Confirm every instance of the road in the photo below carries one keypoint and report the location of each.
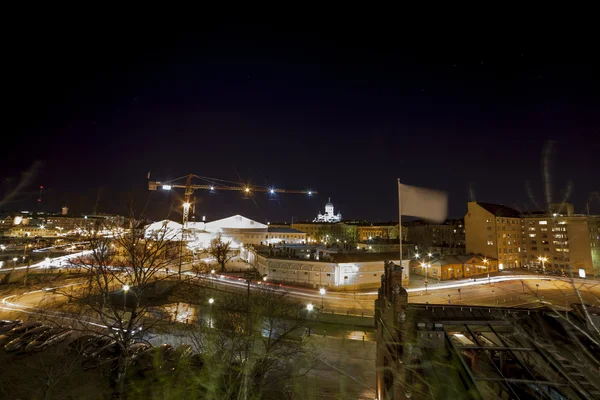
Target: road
(528, 291)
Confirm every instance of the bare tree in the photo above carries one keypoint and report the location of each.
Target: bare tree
(125, 269)
(252, 347)
(221, 251)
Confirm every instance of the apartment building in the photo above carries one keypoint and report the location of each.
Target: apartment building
(557, 239)
(494, 231)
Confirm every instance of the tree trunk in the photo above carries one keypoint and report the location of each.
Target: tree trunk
(118, 378)
(222, 266)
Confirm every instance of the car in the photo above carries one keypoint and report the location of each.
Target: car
(7, 325)
(17, 331)
(24, 339)
(48, 338)
(95, 346)
(80, 343)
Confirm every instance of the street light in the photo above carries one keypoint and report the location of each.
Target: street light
(211, 300)
(543, 260)
(125, 290)
(322, 291)
(309, 307)
(486, 262)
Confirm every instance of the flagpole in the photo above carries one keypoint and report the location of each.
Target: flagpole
(400, 220)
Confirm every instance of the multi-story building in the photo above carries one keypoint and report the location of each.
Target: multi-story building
(377, 231)
(494, 231)
(557, 239)
(443, 239)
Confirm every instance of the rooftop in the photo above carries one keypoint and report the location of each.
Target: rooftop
(499, 210)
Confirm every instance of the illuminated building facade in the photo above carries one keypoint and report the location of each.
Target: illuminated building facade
(553, 240)
(329, 215)
(237, 229)
(347, 271)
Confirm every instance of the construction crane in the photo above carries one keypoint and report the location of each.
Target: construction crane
(213, 185)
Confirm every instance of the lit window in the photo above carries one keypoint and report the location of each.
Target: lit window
(543, 222)
(532, 235)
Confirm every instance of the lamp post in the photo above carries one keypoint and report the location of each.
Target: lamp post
(212, 278)
(543, 261)
(125, 290)
(538, 289)
(322, 291)
(487, 267)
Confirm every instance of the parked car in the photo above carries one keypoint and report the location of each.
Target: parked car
(24, 339)
(97, 345)
(48, 338)
(7, 325)
(17, 331)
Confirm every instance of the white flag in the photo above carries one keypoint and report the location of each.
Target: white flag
(428, 204)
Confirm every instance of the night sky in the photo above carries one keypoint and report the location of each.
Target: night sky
(91, 112)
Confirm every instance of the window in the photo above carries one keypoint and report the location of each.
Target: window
(532, 235)
(328, 274)
(490, 243)
(544, 242)
(534, 248)
(488, 221)
(345, 277)
(533, 242)
(531, 229)
(374, 274)
(546, 249)
(274, 270)
(306, 273)
(489, 228)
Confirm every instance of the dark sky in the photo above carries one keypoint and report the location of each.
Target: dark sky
(344, 113)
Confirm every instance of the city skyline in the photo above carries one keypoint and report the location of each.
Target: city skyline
(298, 112)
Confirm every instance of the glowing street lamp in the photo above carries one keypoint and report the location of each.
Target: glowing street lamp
(264, 278)
(125, 290)
(186, 205)
(487, 266)
(322, 291)
(543, 260)
(309, 307)
(211, 300)
(247, 189)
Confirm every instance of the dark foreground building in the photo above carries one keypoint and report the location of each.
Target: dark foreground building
(461, 352)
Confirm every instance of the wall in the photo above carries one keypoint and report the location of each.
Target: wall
(342, 276)
(477, 234)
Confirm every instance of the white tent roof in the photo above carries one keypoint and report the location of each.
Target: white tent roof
(234, 222)
(171, 230)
